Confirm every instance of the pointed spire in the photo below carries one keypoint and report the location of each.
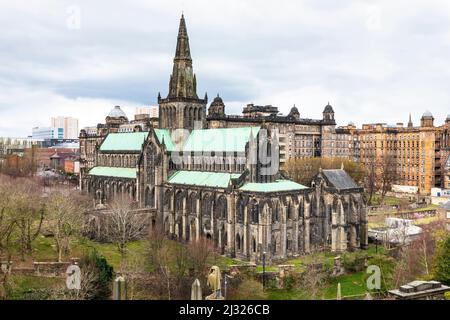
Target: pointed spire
(182, 51)
(410, 124)
(183, 83)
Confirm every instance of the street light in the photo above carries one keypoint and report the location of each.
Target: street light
(264, 270)
(376, 243)
(225, 282)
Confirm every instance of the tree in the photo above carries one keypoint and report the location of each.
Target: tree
(29, 212)
(96, 276)
(388, 172)
(7, 217)
(160, 257)
(371, 175)
(124, 224)
(303, 170)
(65, 216)
(200, 251)
(313, 279)
(441, 265)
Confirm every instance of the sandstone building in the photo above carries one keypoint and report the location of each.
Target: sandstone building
(414, 155)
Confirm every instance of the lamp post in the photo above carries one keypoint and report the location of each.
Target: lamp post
(225, 284)
(264, 270)
(376, 243)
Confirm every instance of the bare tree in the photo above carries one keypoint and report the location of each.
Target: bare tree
(304, 169)
(371, 175)
(65, 214)
(312, 278)
(124, 224)
(29, 212)
(7, 217)
(160, 257)
(200, 251)
(388, 172)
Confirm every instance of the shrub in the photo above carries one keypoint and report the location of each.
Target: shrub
(387, 266)
(441, 266)
(96, 276)
(447, 295)
(249, 289)
(354, 261)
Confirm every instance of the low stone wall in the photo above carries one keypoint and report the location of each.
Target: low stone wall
(50, 269)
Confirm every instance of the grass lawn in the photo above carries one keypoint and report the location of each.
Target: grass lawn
(351, 285)
(31, 287)
(388, 200)
(137, 253)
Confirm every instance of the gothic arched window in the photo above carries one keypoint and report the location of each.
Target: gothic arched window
(240, 210)
(254, 211)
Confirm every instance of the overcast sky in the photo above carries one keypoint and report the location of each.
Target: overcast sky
(374, 61)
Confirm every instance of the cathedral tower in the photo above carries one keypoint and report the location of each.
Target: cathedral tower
(182, 108)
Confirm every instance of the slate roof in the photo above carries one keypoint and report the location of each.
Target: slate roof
(219, 140)
(203, 178)
(124, 141)
(129, 173)
(276, 186)
(339, 179)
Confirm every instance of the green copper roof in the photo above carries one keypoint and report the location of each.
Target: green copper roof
(202, 178)
(277, 185)
(219, 140)
(164, 134)
(127, 141)
(113, 172)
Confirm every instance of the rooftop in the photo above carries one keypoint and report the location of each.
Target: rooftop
(124, 141)
(340, 179)
(219, 140)
(203, 178)
(116, 112)
(276, 186)
(163, 135)
(129, 173)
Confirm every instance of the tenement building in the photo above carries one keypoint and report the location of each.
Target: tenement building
(202, 174)
(414, 156)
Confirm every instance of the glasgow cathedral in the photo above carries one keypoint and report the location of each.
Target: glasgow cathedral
(206, 174)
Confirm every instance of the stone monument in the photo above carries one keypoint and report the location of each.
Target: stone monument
(214, 279)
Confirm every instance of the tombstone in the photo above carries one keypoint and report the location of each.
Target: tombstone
(73, 280)
(6, 266)
(196, 290)
(338, 294)
(119, 289)
(337, 266)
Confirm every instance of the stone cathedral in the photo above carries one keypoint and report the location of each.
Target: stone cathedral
(220, 183)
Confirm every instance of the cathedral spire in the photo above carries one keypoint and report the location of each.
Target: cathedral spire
(410, 124)
(183, 83)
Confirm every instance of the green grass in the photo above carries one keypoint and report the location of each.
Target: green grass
(23, 287)
(388, 200)
(351, 285)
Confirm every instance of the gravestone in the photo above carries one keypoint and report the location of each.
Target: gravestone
(338, 294)
(196, 290)
(119, 289)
